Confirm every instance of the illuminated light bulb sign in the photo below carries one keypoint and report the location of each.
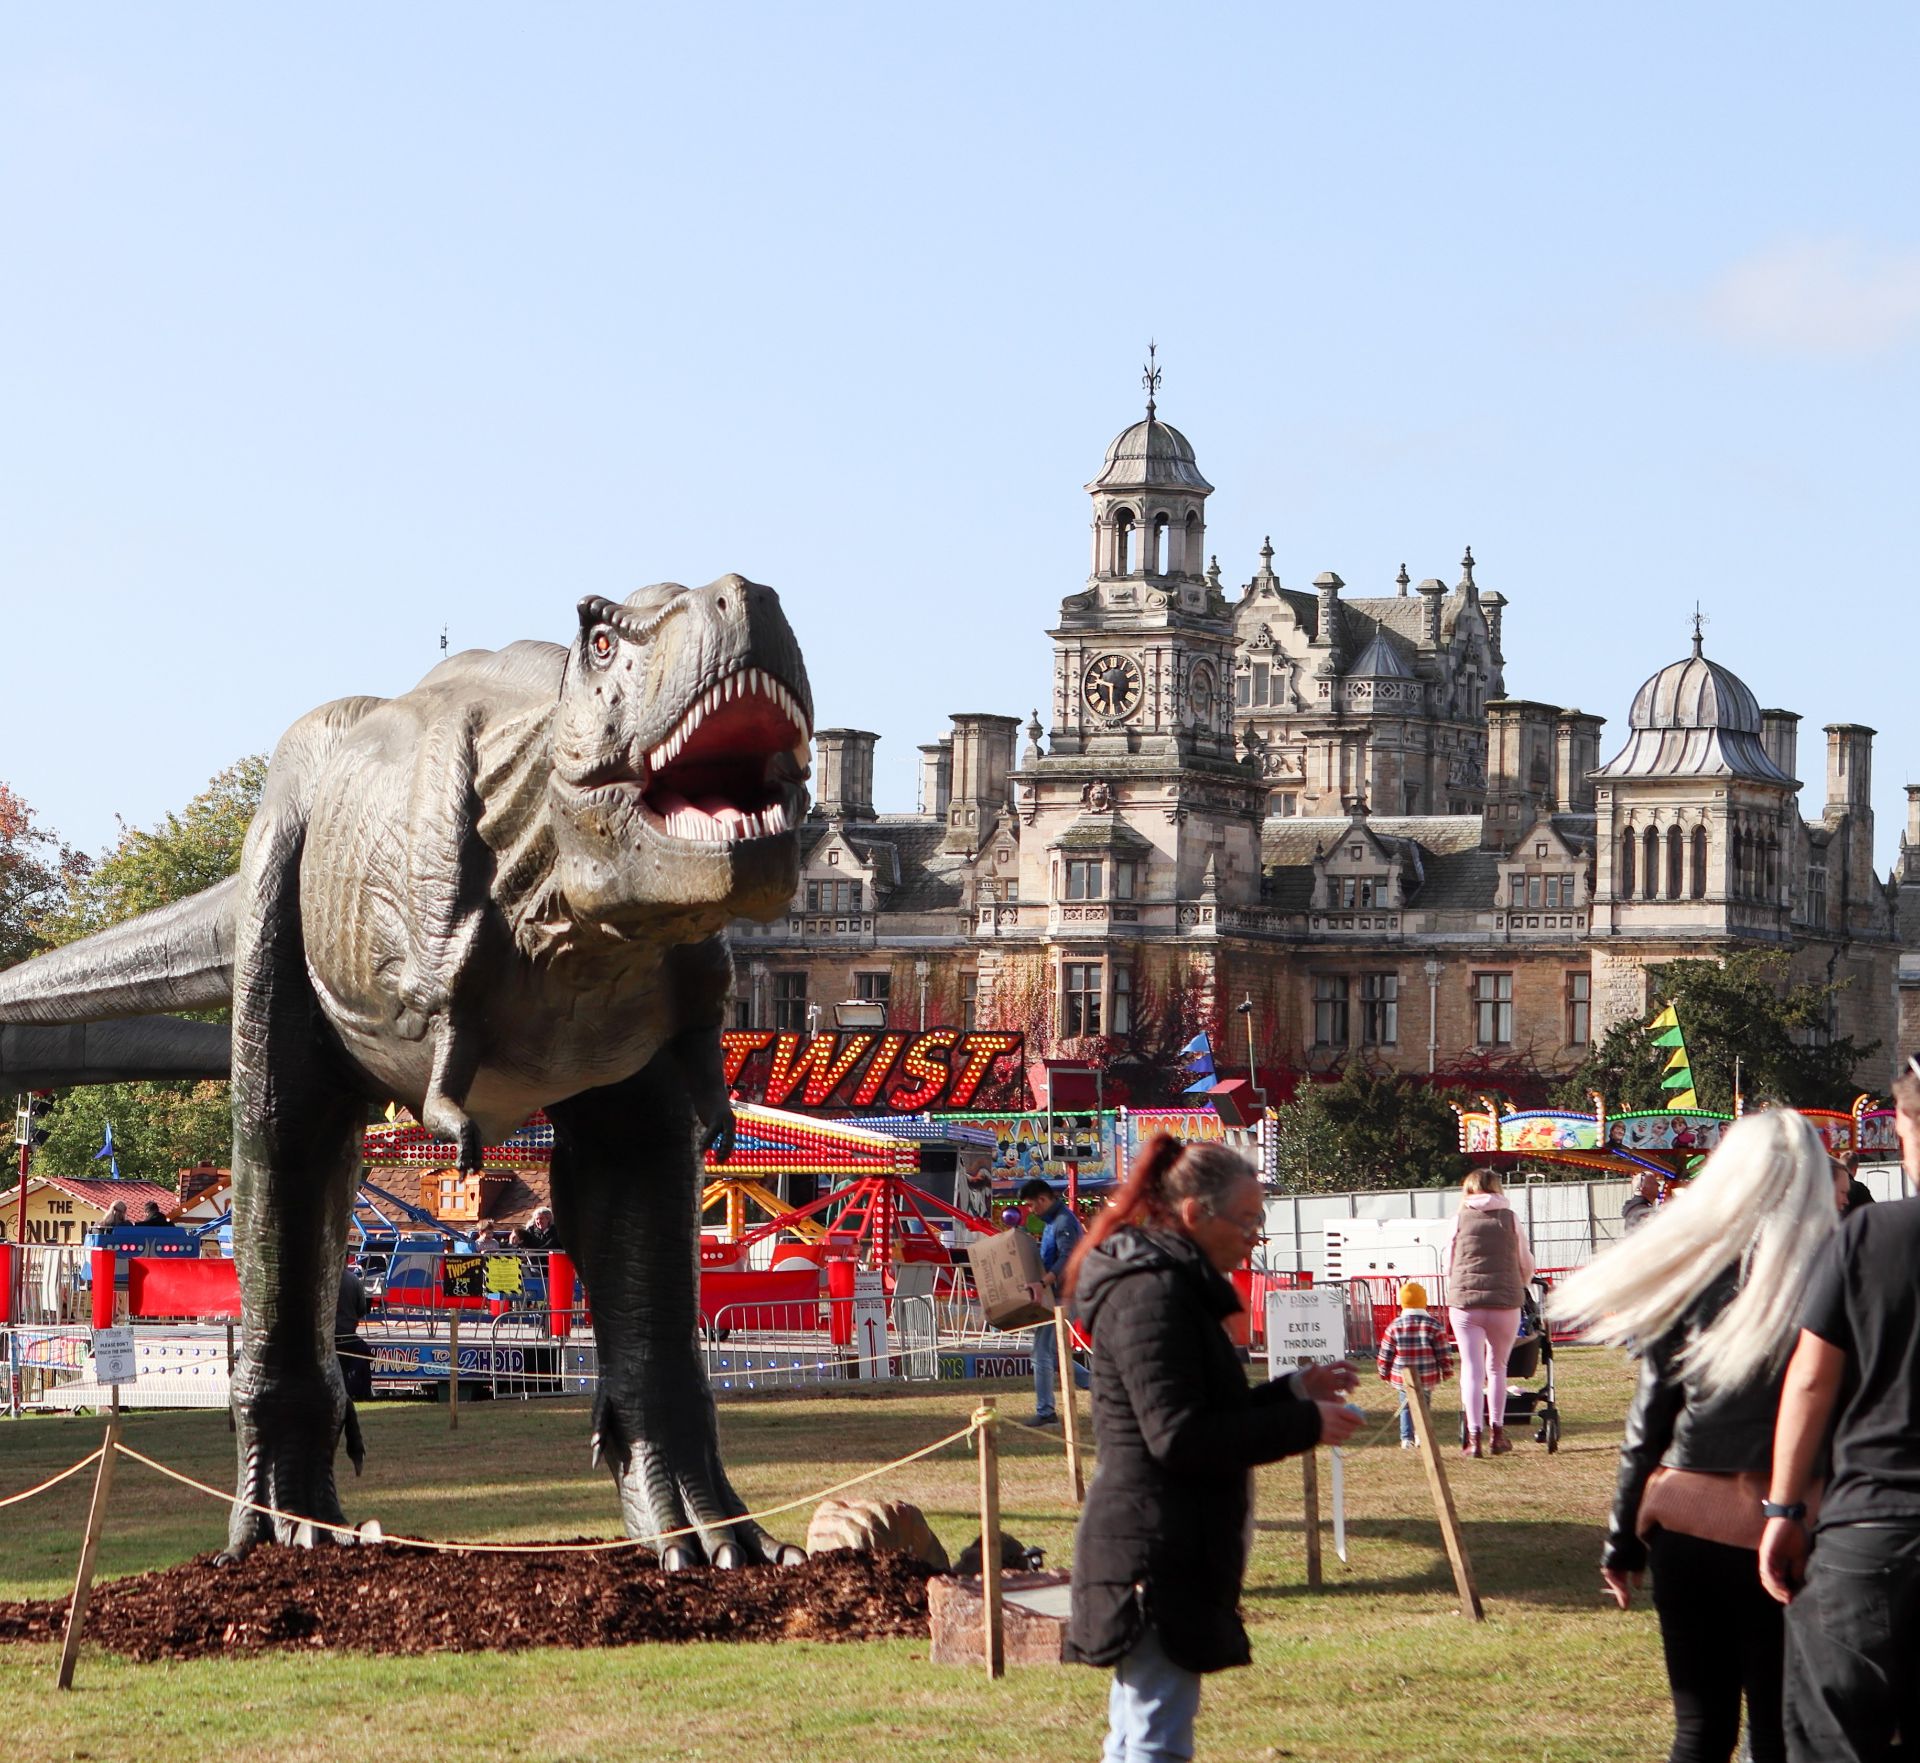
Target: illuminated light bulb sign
(898, 1073)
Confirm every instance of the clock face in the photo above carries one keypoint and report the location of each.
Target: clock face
(1200, 693)
(1112, 685)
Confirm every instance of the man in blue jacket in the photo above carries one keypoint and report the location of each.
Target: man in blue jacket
(1062, 1231)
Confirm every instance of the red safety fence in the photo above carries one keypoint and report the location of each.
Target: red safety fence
(1249, 1328)
(165, 1285)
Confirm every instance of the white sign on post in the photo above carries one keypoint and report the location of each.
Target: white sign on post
(1309, 1326)
(113, 1358)
(1306, 1326)
(870, 1358)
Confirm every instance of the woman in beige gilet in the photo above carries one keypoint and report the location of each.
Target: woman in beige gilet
(1488, 1263)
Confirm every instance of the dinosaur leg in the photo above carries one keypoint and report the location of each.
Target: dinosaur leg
(293, 1190)
(626, 1185)
(297, 1124)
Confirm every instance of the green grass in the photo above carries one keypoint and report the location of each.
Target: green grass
(1379, 1665)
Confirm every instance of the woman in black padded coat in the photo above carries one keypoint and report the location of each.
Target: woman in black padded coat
(1162, 1545)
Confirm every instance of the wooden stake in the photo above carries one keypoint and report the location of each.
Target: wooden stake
(1069, 1410)
(453, 1366)
(993, 1633)
(1443, 1503)
(1310, 1486)
(96, 1520)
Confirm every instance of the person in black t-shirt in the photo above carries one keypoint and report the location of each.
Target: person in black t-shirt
(1853, 1589)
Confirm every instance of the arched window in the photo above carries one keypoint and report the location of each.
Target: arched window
(1699, 862)
(1739, 863)
(1628, 845)
(1650, 864)
(1123, 541)
(1676, 863)
(1190, 545)
(1773, 867)
(1161, 540)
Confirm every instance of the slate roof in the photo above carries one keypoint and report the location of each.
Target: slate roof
(1447, 870)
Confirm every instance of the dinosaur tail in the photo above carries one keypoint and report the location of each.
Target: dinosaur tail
(179, 957)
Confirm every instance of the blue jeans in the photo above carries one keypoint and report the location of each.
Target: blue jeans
(1406, 1418)
(1046, 1371)
(1151, 1707)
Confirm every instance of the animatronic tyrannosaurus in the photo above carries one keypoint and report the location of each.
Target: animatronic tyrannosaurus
(503, 891)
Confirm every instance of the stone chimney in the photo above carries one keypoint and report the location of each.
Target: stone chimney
(1520, 752)
(982, 762)
(1432, 592)
(1326, 636)
(1576, 756)
(1493, 605)
(1849, 768)
(843, 773)
(1780, 736)
(936, 776)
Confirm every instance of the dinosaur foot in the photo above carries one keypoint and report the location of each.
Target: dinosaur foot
(296, 1487)
(686, 1507)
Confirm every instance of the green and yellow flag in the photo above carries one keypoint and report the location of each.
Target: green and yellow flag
(1665, 1029)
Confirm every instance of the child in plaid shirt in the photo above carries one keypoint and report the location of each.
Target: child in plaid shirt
(1414, 1346)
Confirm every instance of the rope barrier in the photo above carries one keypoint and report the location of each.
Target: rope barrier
(53, 1481)
(609, 1547)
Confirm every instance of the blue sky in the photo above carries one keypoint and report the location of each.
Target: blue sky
(325, 328)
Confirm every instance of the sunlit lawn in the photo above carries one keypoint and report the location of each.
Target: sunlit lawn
(1378, 1665)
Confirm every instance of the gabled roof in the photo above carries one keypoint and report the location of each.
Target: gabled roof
(1101, 832)
(100, 1192)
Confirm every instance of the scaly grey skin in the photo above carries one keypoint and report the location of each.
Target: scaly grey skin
(502, 891)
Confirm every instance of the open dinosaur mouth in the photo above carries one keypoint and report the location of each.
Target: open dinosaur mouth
(728, 770)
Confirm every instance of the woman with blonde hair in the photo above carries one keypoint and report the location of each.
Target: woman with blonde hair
(1487, 1262)
(1709, 1292)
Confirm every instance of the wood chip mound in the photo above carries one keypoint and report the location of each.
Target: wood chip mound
(391, 1599)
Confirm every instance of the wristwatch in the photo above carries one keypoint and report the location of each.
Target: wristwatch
(1794, 1509)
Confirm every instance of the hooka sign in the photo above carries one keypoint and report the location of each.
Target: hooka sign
(892, 1073)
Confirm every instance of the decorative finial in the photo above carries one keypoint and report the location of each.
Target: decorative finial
(1403, 578)
(1466, 568)
(443, 639)
(1699, 618)
(1150, 377)
(1266, 553)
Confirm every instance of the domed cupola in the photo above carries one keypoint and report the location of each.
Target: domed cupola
(1149, 501)
(1148, 456)
(1694, 718)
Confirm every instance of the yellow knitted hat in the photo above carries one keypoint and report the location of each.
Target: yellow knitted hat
(1413, 1296)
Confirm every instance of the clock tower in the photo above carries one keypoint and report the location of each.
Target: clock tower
(1140, 793)
(1143, 655)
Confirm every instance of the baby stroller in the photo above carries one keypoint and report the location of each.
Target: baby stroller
(1532, 1349)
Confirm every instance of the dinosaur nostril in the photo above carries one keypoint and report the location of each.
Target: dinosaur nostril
(720, 605)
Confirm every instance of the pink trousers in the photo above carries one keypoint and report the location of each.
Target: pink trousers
(1486, 1338)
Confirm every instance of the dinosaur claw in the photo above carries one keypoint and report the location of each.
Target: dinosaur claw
(729, 1555)
(789, 1555)
(677, 1557)
(593, 1450)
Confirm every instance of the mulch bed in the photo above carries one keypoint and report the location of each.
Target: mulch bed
(389, 1599)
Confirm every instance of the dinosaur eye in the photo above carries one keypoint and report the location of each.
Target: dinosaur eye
(601, 642)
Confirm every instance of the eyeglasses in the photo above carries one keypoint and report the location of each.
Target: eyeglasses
(1247, 1227)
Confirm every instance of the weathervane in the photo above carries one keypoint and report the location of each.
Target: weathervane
(1699, 618)
(1150, 377)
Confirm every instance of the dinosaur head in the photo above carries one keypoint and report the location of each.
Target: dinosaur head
(680, 756)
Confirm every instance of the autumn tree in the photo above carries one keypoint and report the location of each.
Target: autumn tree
(1370, 1129)
(1746, 1007)
(36, 872)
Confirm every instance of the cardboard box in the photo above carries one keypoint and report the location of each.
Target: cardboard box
(1003, 1268)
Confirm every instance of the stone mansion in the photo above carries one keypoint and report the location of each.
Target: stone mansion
(1327, 803)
